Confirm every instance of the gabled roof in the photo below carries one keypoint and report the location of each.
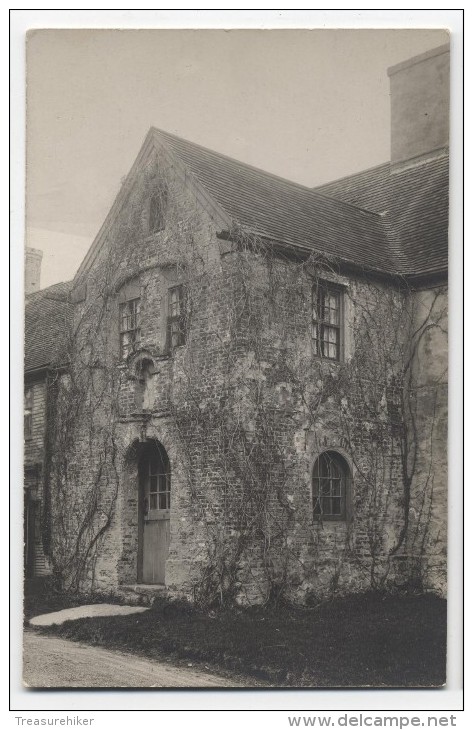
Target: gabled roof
(414, 199)
(47, 315)
(284, 211)
(391, 223)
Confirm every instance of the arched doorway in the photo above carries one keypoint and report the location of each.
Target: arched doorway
(154, 513)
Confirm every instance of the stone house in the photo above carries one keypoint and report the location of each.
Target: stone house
(254, 403)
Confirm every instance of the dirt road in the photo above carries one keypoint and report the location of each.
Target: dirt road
(52, 662)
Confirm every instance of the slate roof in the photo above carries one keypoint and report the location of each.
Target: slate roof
(285, 211)
(391, 221)
(414, 201)
(47, 314)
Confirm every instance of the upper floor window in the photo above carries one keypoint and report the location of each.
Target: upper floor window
(130, 333)
(330, 479)
(326, 321)
(176, 316)
(28, 411)
(157, 210)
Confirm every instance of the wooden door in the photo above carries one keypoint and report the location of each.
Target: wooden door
(156, 508)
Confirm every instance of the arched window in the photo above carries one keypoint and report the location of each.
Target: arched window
(330, 484)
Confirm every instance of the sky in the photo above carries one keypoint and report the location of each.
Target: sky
(309, 105)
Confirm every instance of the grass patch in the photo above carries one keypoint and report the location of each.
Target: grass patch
(363, 640)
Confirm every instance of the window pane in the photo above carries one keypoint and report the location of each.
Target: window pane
(153, 484)
(336, 506)
(332, 334)
(153, 501)
(163, 500)
(326, 506)
(325, 490)
(324, 464)
(162, 483)
(333, 317)
(330, 342)
(336, 488)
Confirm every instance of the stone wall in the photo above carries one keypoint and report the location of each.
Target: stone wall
(430, 385)
(243, 409)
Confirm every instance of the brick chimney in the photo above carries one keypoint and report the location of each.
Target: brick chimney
(33, 259)
(420, 96)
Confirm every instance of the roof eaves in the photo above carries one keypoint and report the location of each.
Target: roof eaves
(308, 248)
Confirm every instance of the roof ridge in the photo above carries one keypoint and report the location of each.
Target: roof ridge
(47, 290)
(348, 204)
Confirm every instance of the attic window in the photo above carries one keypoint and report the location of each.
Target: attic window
(157, 210)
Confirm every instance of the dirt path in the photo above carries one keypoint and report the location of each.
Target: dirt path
(53, 662)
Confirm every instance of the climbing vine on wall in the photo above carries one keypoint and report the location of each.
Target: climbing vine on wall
(235, 408)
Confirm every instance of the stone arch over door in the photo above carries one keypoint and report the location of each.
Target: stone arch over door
(154, 511)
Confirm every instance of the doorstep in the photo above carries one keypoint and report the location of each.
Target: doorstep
(144, 589)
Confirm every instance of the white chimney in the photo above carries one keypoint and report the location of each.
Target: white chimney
(33, 257)
(420, 96)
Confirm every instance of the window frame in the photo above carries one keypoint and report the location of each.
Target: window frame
(343, 467)
(178, 318)
(321, 325)
(135, 330)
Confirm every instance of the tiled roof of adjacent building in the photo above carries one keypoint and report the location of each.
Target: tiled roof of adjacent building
(414, 200)
(47, 314)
